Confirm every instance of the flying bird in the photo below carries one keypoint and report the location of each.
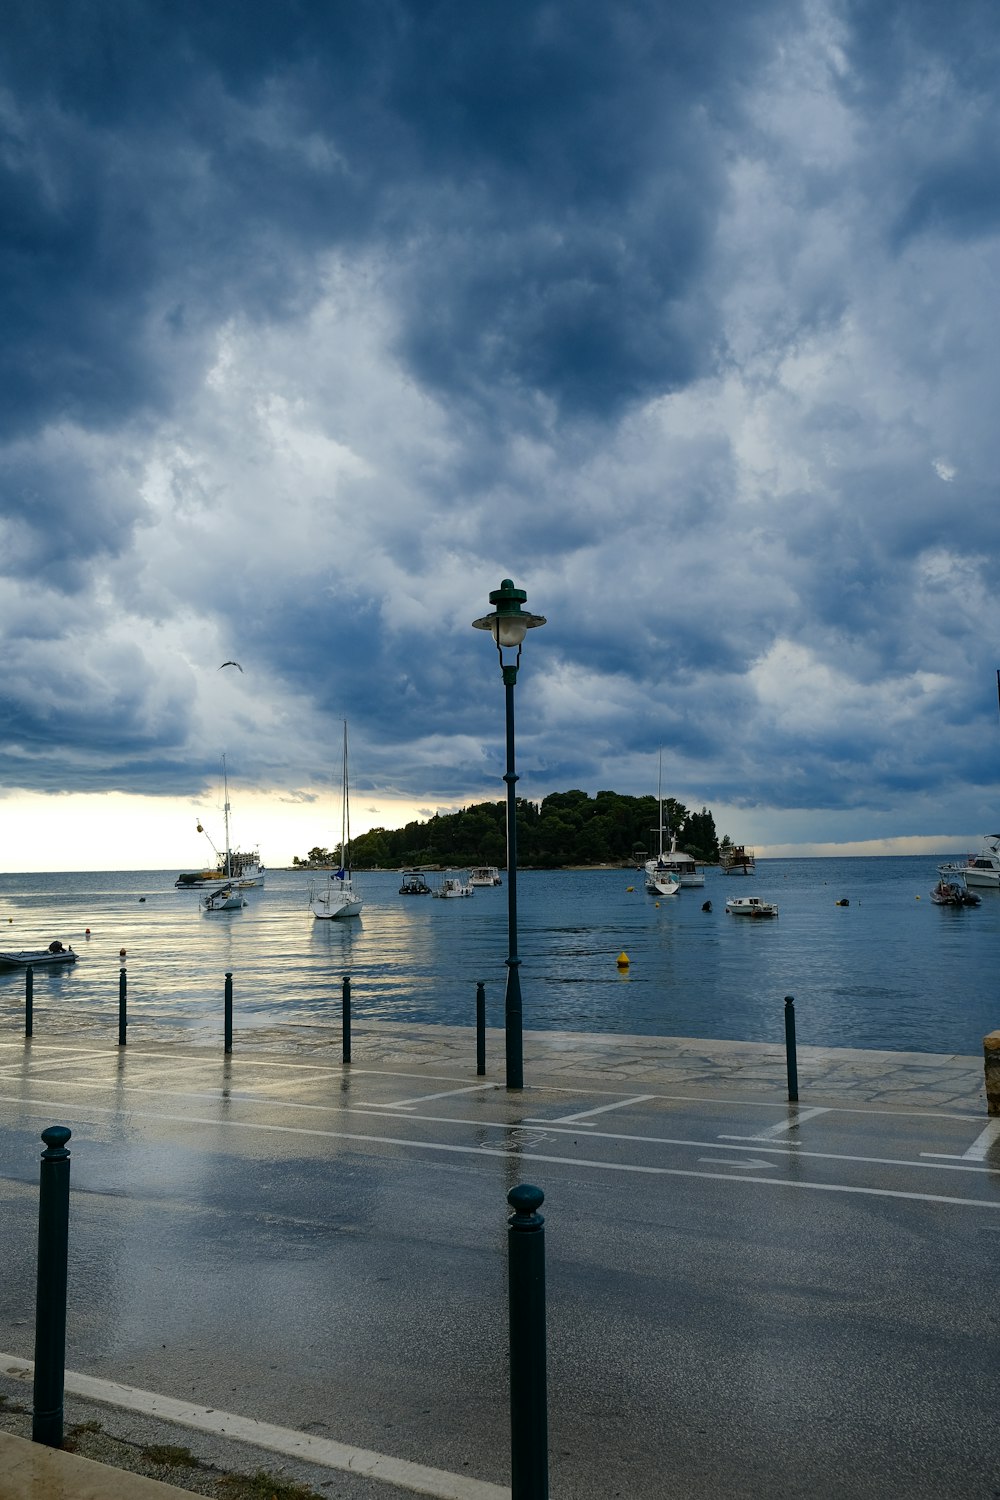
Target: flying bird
(231, 664)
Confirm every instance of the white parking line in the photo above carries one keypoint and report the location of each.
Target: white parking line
(979, 1149)
(782, 1127)
(628, 1168)
(602, 1109)
(473, 1088)
(300, 1445)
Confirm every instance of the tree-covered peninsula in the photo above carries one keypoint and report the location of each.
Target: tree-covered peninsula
(566, 828)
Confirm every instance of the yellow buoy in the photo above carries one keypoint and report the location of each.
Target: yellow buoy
(657, 905)
(630, 888)
(623, 960)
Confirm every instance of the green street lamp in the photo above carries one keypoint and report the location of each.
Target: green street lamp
(508, 625)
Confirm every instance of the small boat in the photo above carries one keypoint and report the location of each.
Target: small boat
(660, 879)
(751, 906)
(485, 875)
(452, 886)
(954, 893)
(226, 898)
(25, 958)
(340, 898)
(414, 884)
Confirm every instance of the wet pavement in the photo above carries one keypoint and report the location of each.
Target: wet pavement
(293, 1222)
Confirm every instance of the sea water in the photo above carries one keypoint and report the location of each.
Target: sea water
(888, 970)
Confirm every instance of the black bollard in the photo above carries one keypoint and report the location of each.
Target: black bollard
(529, 1434)
(229, 1012)
(346, 1018)
(122, 1005)
(790, 1059)
(480, 1029)
(50, 1303)
(29, 1001)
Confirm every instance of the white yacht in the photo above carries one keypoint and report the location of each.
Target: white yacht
(982, 869)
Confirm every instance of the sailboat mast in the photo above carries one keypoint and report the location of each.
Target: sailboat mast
(225, 816)
(345, 818)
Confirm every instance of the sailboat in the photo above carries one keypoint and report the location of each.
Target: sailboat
(660, 880)
(228, 897)
(340, 898)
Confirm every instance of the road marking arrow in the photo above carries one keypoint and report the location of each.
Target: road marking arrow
(747, 1163)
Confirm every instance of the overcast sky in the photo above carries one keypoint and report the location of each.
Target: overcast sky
(319, 320)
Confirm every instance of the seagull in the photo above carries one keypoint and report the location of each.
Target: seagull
(231, 664)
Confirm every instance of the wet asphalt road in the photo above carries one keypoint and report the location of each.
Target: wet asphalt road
(743, 1299)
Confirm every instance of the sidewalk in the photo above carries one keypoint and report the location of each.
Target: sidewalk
(674, 1066)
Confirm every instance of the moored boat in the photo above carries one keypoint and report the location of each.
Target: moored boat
(738, 860)
(982, 869)
(226, 898)
(485, 875)
(954, 893)
(414, 884)
(660, 879)
(451, 887)
(751, 906)
(25, 958)
(340, 898)
(239, 867)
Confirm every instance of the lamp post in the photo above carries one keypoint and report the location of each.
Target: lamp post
(508, 625)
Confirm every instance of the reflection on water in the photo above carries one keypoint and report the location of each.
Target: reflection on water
(890, 970)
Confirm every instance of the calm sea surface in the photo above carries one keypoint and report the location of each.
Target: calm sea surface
(891, 970)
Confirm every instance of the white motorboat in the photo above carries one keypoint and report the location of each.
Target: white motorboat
(751, 906)
(982, 869)
(238, 867)
(660, 879)
(32, 958)
(226, 898)
(485, 875)
(451, 887)
(340, 898)
(683, 866)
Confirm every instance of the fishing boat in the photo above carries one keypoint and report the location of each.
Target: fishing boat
(660, 879)
(451, 887)
(226, 898)
(33, 958)
(485, 875)
(954, 893)
(339, 899)
(239, 867)
(751, 906)
(737, 860)
(414, 884)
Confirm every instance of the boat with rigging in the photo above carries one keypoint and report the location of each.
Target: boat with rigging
(660, 879)
(751, 906)
(238, 867)
(226, 898)
(340, 898)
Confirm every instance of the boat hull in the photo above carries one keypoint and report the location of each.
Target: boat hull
(25, 958)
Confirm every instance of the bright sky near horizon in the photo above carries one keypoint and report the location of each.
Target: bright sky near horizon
(321, 320)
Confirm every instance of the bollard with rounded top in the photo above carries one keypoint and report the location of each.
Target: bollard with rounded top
(991, 1064)
(345, 1006)
(122, 1006)
(480, 1029)
(791, 1061)
(228, 1004)
(29, 1001)
(529, 1440)
(50, 1304)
